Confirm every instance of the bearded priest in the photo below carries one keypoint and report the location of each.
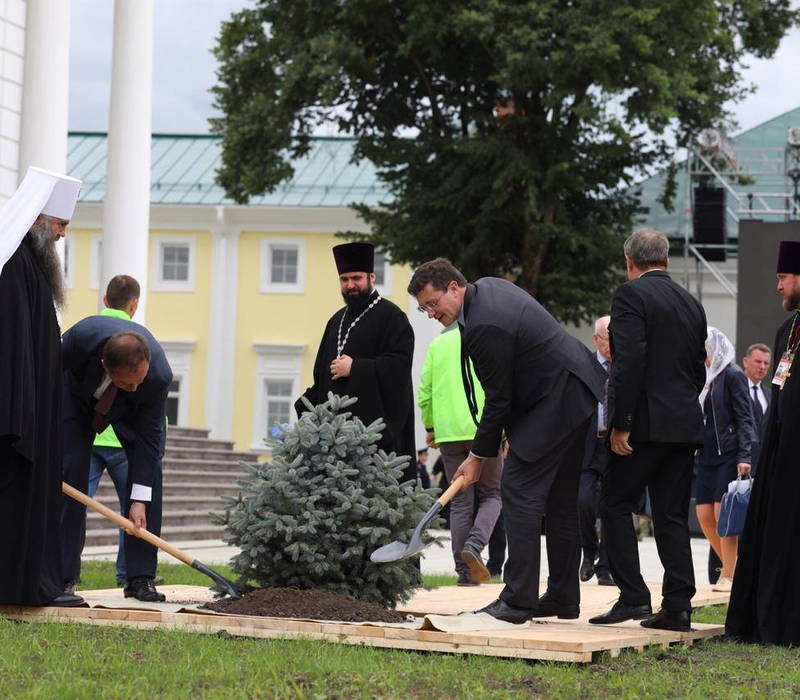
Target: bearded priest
(366, 352)
(31, 289)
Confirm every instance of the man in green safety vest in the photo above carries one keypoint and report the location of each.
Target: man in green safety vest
(121, 301)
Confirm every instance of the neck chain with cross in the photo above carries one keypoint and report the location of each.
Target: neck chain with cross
(341, 342)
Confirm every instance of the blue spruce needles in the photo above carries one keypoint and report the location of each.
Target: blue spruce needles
(311, 517)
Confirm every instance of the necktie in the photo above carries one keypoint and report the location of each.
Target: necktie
(466, 378)
(603, 426)
(758, 412)
(102, 407)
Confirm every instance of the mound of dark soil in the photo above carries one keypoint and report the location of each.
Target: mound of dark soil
(314, 604)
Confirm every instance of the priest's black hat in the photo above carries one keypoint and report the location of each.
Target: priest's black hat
(354, 257)
(789, 258)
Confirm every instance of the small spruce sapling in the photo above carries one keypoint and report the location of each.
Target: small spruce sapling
(311, 516)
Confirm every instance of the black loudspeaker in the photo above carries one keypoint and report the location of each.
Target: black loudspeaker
(709, 221)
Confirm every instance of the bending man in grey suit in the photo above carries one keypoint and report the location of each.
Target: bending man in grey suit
(542, 388)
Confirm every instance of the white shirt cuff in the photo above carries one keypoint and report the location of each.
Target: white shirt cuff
(472, 454)
(142, 493)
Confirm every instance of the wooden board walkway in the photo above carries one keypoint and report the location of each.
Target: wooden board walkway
(557, 640)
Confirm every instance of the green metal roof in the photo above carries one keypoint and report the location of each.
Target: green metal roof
(758, 153)
(183, 169)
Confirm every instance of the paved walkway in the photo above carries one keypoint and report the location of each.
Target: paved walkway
(435, 560)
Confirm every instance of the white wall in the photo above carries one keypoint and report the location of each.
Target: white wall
(12, 52)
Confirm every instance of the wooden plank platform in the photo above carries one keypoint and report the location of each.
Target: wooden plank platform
(557, 640)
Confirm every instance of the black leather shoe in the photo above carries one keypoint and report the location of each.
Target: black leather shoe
(680, 621)
(550, 608)
(142, 588)
(501, 610)
(621, 612)
(67, 600)
(587, 569)
(605, 579)
(472, 558)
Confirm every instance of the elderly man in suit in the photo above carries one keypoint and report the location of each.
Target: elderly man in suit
(542, 387)
(115, 373)
(658, 333)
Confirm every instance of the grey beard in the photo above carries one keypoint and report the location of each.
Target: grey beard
(44, 248)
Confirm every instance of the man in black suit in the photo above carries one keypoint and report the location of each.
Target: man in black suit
(115, 373)
(595, 459)
(542, 388)
(658, 333)
(756, 364)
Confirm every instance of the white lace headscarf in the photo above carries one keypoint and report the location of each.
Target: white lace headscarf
(721, 352)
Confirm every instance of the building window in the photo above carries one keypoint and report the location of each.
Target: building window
(69, 262)
(282, 268)
(278, 371)
(279, 402)
(284, 265)
(174, 263)
(179, 355)
(173, 401)
(383, 273)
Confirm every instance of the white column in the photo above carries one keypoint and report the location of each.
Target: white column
(45, 88)
(221, 381)
(126, 210)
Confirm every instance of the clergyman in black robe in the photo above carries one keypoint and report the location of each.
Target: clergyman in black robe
(30, 425)
(765, 605)
(369, 359)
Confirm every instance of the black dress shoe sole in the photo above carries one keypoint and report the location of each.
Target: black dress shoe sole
(477, 569)
(74, 602)
(563, 614)
(664, 626)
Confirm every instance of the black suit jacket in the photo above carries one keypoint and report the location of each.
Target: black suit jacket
(540, 382)
(138, 417)
(658, 333)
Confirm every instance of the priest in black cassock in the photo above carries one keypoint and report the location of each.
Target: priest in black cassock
(765, 600)
(366, 353)
(31, 287)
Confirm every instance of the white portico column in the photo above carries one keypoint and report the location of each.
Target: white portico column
(126, 211)
(45, 87)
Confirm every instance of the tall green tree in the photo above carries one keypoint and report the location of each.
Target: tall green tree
(508, 131)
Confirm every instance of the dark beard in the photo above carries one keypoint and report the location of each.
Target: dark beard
(44, 249)
(359, 299)
(792, 302)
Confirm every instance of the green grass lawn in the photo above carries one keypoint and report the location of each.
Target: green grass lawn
(52, 660)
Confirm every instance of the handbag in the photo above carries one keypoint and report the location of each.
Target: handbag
(733, 510)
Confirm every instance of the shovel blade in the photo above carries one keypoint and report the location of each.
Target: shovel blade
(395, 551)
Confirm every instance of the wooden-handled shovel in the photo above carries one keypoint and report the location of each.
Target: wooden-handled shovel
(394, 551)
(155, 540)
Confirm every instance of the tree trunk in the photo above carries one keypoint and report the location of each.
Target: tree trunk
(535, 244)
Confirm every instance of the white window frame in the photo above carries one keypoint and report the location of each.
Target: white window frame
(279, 362)
(94, 260)
(179, 355)
(69, 257)
(159, 284)
(385, 289)
(270, 287)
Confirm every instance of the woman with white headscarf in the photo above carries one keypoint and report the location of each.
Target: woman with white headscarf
(729, 434)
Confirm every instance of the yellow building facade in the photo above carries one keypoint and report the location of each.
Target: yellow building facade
(238, 296)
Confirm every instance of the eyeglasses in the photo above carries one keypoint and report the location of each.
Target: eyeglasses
(429, 306)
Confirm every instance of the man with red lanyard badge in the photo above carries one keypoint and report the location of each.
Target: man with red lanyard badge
(764, 603)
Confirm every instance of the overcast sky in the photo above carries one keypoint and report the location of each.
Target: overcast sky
(183, 67)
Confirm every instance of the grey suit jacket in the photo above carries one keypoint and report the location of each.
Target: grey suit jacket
(540, 382)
